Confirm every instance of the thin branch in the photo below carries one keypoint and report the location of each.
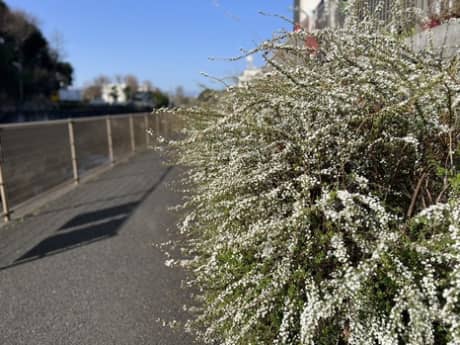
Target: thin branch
(444, 188)
(415, 195)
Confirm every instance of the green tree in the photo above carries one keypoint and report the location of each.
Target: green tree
(160, 99)
(28, 65)
(114, 93)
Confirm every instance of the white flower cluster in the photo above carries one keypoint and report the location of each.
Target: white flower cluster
(321, 207)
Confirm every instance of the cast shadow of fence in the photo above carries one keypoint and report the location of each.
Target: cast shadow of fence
(86, 228)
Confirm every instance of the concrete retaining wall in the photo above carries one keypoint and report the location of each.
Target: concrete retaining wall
(448, 33)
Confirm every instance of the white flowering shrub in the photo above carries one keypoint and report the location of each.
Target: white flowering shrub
(324, 196)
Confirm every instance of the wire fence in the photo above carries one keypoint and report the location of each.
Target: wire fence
(37, 157)
(435, 9)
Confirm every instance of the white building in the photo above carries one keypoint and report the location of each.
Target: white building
(249, 73)
(302, 14)
(317, 14)
(114, 93)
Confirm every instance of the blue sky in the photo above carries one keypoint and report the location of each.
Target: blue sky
(167, 42)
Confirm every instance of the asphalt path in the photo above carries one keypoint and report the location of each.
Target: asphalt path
(84, 269)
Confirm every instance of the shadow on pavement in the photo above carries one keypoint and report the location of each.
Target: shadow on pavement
(76, 238)
(86, 228)
(99, 215)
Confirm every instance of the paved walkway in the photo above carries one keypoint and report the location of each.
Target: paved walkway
(83, 270)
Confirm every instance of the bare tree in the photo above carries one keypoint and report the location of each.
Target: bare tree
(179, 97)
(102, 80)
(118, 78)
(94, 89)
(131, 82)
(92, 92)
(131, 86)
(147, 85)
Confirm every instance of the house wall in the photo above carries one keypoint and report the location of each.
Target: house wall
(301, 16)
(109, 89)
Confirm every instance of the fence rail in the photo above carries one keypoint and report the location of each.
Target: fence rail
(436, 12)
(37, 157)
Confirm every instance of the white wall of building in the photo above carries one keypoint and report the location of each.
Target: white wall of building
(114, 93)
(303, 10)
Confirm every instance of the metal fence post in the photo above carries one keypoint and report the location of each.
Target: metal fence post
(109, 138)
(131, 133)
(73, 152)
(147, 135)
(168, 127)
(157, 125)
(3, 193)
